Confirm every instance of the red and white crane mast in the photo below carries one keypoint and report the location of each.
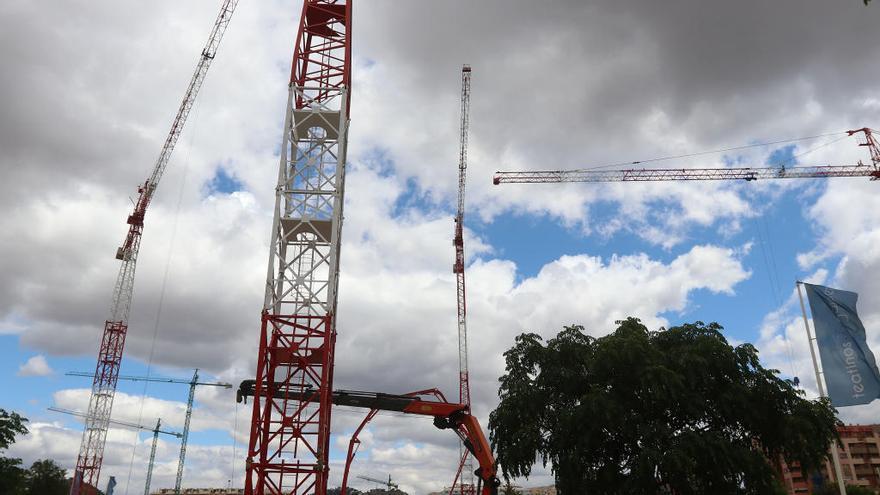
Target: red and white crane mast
(91, 452)
(463, 483)
(290, 425)
(680, 174)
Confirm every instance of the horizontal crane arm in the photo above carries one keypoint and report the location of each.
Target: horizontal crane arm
(153, 379)
(116, 422)
(680, 174)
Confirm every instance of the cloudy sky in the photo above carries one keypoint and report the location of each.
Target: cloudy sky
(89, 89)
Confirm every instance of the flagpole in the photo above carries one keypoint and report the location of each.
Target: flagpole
(834, 457)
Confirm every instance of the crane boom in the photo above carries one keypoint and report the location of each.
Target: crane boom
(685, 174)
(447, 415)
(465, 467)
(153, 379)
(126, 424)
(387, 483)
(91, 451)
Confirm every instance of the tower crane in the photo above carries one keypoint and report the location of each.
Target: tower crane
(669, 174)
(388, 484)
(91, 451)
(289, 444)
(463, 481)
(156, 431)
(184, 437)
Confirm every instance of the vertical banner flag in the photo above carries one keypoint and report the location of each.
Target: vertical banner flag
(848, 364)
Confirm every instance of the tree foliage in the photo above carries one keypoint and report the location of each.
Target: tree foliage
(11, 424)
(12, 475)
(46, 477)
(639, 412)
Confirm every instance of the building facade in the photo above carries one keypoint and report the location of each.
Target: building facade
(859, 463)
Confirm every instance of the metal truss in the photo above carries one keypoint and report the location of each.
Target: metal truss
(290, 429)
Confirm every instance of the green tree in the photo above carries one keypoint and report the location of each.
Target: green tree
(45, 477)
(12, 476)
(11, 424)
(642, 412)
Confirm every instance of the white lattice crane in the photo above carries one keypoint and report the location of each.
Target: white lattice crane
(184, 437)
(156, 431)
(859, 169)
(389, 485)
(463, 482)
(91, 451)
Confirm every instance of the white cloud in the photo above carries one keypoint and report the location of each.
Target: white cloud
(35, 366)
(623, 85)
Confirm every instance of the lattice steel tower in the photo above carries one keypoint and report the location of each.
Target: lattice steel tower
(463, 484)
(91, 450)
(290, 434)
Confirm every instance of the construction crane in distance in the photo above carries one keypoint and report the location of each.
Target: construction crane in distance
(91, 451)
(184, 437)
(156, 431)
(464, 475)
(388, 484)
(684, 174)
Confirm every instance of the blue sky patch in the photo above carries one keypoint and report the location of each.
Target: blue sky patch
(223, 182)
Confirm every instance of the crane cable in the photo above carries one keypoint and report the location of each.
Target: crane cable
(168, 257)
(766, 243)
(722, 150)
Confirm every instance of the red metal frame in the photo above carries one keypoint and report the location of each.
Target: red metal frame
(324, 31)
(295, 352)
(428, 408)
(290, 436)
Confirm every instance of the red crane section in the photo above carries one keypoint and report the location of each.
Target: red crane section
(288, 450)
(462, 483)
(91, 451)
(681, 174)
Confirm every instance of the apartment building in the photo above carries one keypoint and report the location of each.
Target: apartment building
(859, 462)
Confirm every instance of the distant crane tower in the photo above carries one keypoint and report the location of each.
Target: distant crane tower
(156, 431)
(193, 383)
(289, 446)
(91, 451)
(388, 484)
(733, 173)
(463, 482)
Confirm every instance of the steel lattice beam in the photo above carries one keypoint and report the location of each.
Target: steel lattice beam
(91, 451)
(290, 433)
(689, 174)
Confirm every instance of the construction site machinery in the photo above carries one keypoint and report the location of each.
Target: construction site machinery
(463, 481)
(91, 451)
(860, 169)
(447, 415)
(156, 431)
(193, 383)
(289, 440)
(389, 485)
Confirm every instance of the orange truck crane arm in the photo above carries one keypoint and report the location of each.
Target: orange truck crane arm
(447, 415)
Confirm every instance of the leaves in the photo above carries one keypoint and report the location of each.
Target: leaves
(46, 477)
(645, 412)
(11, 424)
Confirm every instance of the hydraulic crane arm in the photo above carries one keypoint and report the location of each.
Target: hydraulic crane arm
(679, 174)
(447, 415)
